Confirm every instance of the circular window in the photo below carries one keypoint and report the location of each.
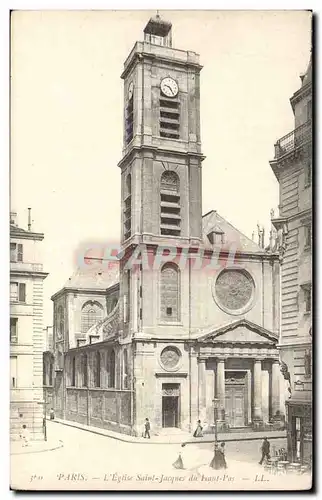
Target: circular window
(234, 290)
(170, 358)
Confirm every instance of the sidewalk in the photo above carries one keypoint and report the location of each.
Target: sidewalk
(178, 438)
(16, 447)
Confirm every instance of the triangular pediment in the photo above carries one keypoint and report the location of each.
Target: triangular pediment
(241, 331)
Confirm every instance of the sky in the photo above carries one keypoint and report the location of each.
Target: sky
(67, 117)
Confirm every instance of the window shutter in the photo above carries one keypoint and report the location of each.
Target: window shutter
(13, 330)
(13, 252)
(14, 292)
(20, 252)
(22, 292)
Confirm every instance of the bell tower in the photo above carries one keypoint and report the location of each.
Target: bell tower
(161, 160)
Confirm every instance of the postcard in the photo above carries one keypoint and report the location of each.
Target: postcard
(161, 250)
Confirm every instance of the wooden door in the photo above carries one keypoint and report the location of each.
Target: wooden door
(170, 411)
(235, 405)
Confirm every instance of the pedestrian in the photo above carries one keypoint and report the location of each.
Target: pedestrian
(222, 458)
(178, 464)
(215, 462)
(198, 431)
(24, 436)
(147, 428)
(52, 414)
(265, 450)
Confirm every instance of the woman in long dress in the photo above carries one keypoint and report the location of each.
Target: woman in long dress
(178, 464)
(198, 431)
(215, 462)
(222, 459)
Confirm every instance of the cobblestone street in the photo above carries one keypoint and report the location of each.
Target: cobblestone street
(91, 461)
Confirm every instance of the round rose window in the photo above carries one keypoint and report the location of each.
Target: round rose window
(234, 289)
(170, 358)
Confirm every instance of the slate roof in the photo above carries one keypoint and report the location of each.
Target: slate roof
(95, 275)
(212, 221)
(18, 232)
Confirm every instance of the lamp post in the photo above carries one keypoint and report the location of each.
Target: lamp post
(216, 405)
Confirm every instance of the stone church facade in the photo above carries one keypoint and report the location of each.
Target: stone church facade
(188, 318)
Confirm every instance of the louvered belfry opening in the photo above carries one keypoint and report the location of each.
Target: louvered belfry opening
(170, 204)
(169, 117)
(127, 208)
(129, 121)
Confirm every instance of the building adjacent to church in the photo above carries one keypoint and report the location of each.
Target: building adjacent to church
(26, 331)
(292, 167)
(175, 330)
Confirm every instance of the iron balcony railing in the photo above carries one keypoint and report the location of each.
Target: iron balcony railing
(293, 139)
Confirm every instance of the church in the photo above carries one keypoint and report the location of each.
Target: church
(185, 324)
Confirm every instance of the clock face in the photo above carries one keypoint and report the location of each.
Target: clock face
(169, 87)
(130, 91)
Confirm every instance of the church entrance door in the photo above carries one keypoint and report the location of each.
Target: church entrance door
(235, 399)
(170, 405)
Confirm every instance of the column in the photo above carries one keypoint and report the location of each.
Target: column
(210, 394)
(202, 387)
(275, 387)
(220, 385)
(194, 390)
(257, 415)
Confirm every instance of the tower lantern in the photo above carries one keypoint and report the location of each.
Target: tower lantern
(158, 32)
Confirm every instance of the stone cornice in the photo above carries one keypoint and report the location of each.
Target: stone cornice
(95, 346)
(80, 291)
(259, 354)
(304, 214)
(304, 91)
(34, 274)
(25, 235)
(171, 374)
(143, 56)
(277, 164)
(185, 243)
(214, 334)
(130, 155)
(305, 343)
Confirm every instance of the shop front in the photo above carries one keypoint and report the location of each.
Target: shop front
(299, 431)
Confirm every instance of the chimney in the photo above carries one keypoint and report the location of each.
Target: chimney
(13, 218)
(29, 219)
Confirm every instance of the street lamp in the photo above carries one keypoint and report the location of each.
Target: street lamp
(216, 406)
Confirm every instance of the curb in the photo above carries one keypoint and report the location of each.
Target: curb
(130, 439)
(60, 445)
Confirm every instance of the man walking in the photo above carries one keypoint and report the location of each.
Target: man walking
(24, 436)
(147, 428)
(265, 450)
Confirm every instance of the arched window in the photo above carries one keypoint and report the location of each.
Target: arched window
(60, 322)
(92, 312)
(84, 371)
(170, 204)
(125, 370)
(73, 377)
(170, 292)
(111, 369)
(170, 181)
(97, 368)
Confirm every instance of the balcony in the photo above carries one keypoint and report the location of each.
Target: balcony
(293, 140)
(25, 266)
